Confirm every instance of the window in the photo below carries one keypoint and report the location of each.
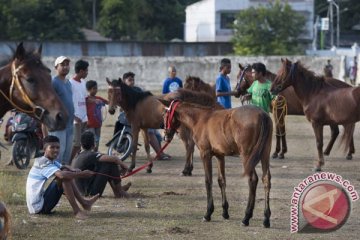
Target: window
(227, 20)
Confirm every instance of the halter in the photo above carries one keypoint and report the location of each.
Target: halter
(36, 110)
(169, 114)
(242, 77)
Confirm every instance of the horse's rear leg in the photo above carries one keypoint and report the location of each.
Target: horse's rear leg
(147, 148)
(189, 144)
(135, 134)
(266, 179)
(222, 185)
(277, 148)
(284, 147)
(351, 149)
(253, 181)
(334, 134)
(208, 184)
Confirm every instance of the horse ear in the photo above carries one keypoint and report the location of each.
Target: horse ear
(282, 60)
(39, 50)
(20, 52)
(164, 102)
(108, 80)
(241, 67)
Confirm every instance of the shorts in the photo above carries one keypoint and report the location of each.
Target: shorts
(79, 128)
(52, 196)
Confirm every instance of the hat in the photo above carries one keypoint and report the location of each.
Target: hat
(61, 59)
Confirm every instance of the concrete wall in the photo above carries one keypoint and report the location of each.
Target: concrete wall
(151, 71)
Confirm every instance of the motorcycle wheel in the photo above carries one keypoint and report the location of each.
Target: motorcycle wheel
(21, 154)
(123, 149)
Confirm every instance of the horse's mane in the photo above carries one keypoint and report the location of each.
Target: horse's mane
(196, 84)
(131, 94)
(198, 98)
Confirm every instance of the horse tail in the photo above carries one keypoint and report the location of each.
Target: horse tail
(347, 137)
(262, 148)
(4, 230)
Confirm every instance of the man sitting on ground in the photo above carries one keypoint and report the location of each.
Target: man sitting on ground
(107, 166)
(42, 201)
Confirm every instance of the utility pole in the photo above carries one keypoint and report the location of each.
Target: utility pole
(331, 4)
(94, 14)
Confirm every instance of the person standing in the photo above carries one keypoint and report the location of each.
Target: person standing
(260, 89)
(222, 85)
(172, 83)
(78, 87)
(353, 71)
(328, 69)
(63, 89)
(94, 104)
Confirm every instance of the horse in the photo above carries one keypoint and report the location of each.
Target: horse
(5, 215)
(25, 84)
(293, 107)
(245, 130)
(324, 100)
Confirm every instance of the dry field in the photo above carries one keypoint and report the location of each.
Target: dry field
(173, 206)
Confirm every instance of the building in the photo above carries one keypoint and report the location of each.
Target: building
(210, 20)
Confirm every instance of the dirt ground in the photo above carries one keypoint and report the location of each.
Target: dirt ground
(172, 206)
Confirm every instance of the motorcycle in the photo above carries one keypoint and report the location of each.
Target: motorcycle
(120, 143)
(27, 140)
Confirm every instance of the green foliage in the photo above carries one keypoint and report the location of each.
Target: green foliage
(41, 19)
(272, 30)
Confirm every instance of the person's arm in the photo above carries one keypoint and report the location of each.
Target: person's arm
(71, 175)
(113, 159)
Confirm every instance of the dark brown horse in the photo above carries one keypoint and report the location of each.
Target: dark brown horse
(324, 102)
(5, 218)
(293, 107)
(246, 130)
(25, 84)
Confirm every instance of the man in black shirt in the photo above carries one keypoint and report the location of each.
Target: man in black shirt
(108, 167)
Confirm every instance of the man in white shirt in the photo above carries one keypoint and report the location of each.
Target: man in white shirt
(78, 86)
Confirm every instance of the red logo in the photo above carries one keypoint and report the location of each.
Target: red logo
(325, 206)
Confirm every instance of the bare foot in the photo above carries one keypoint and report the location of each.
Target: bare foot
(126, 187)
(81, 215)
(90, 202)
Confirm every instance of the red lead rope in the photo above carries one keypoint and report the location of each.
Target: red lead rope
(137, 169)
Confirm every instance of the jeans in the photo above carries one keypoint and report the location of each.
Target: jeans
(66, 141)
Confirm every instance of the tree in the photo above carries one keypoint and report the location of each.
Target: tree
(42, 20)
(272, 30)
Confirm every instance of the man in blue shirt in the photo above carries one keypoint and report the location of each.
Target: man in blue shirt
(172, 83)
(223, 87)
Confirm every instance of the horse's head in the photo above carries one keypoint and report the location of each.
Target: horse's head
(114, 94)
(196, 84)
(31, 91)
(285, 76)
(245, 73)
(171, 122)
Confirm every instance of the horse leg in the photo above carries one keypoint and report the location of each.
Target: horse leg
(318, 130)
(351, 149)
(284, 147)
(334, 134)
(252, 181)
(208, 184)
(266, 179)
(147, 149)
(222, 185)
(135, 134)
(277, 148)
(189, 144)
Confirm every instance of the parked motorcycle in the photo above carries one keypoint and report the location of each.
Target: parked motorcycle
(120, 144)
(27, 140)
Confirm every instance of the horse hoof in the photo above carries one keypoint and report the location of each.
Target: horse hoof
(349, 157)
(185, 174)
(326, 153)
(245, 222)
(226, 216)
(275, 155)
(148, 170)
(281, 156)
(205, 219)
(266, 223)
(317, 169)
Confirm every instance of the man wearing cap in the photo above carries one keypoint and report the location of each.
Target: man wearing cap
(62, 88)
(78, 86)
(172, 83)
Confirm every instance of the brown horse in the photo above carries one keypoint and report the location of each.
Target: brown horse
(246, 130)
(25, 84)
(324, 102)
(293, 107)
